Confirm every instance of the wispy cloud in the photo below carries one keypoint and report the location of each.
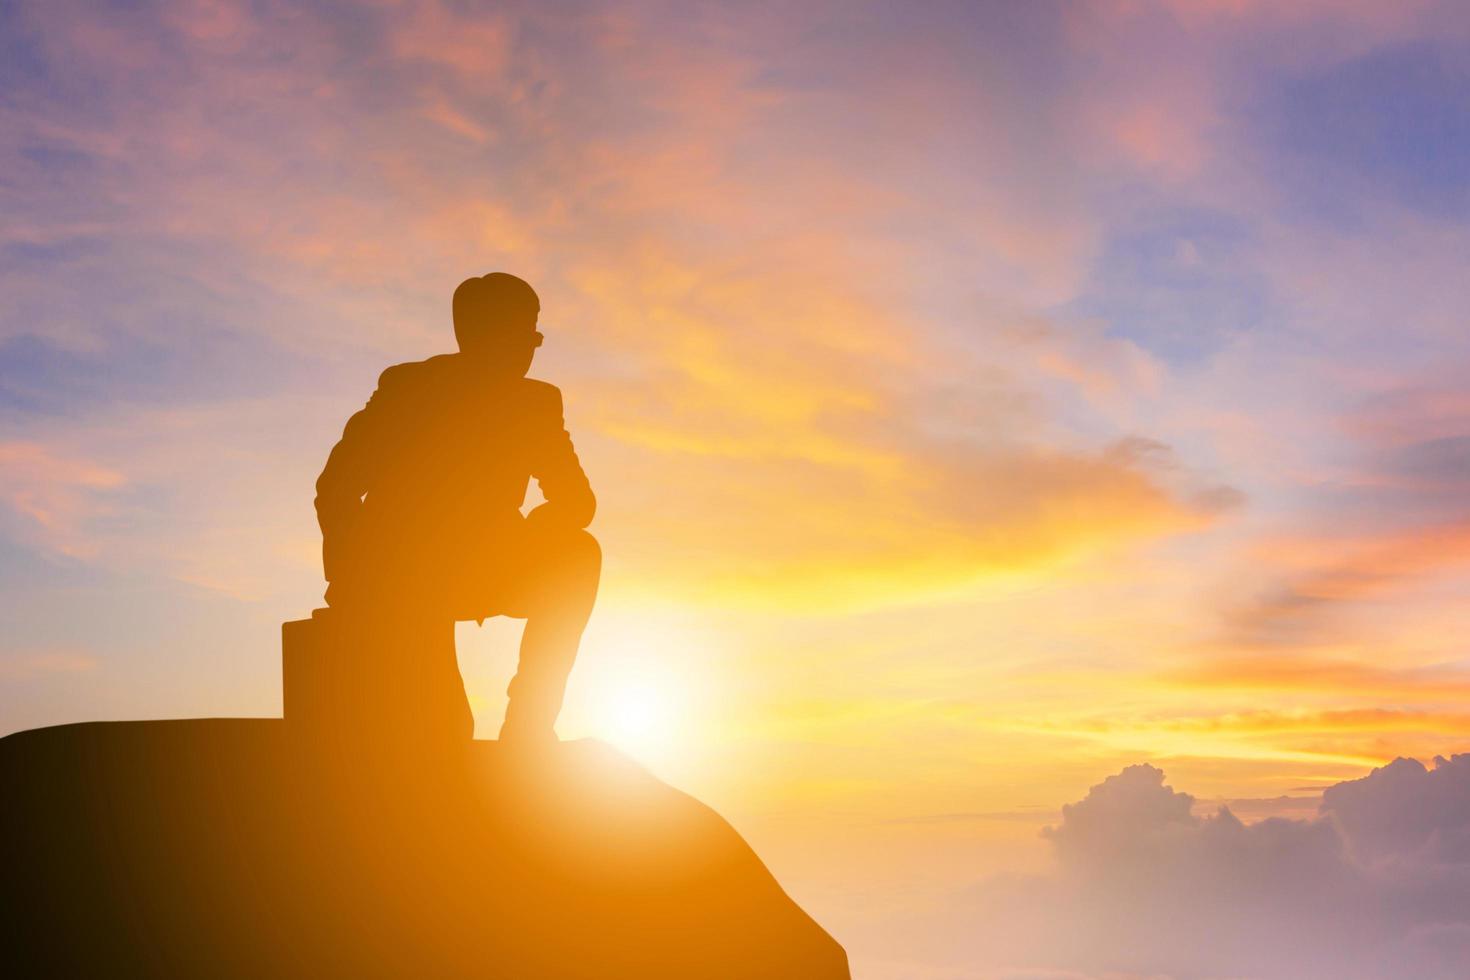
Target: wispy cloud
(27, 664)
(53, 499)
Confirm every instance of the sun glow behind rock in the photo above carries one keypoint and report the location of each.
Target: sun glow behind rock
(637, 716)
(639, 684)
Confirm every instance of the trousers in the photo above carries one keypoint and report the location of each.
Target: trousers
(401, 615)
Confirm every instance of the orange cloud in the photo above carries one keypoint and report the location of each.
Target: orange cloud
(789, 400)
(470, 44)
(19, 665)
(1330, 678)
(54, 496)
(1320, 575)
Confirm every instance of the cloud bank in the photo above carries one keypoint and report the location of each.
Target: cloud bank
(1376, 886)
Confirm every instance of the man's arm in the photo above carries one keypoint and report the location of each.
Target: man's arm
(344, 480)
(558, 472)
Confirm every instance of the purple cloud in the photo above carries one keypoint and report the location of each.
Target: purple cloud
(1377, 885)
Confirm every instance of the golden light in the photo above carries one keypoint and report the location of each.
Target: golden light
(640, 685)
(638, 715)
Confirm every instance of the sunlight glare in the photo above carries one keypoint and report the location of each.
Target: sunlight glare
(637, 715)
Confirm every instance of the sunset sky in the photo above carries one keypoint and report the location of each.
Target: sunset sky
(981, 397)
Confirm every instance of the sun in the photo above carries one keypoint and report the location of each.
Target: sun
(636, 715)
(643, 687)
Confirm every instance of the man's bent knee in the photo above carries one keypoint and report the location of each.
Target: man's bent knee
(578, 558)
(569, 571)
(568, 553)
(583, 550)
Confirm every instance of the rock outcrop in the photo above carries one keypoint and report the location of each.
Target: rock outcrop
(230, 848)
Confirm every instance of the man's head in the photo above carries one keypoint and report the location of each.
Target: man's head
(495, 318)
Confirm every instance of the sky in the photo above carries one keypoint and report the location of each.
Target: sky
(993, 407)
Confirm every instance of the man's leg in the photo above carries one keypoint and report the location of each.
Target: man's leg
(406, 675)
(564, 568)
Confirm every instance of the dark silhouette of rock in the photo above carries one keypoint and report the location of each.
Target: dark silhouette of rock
(228, 848)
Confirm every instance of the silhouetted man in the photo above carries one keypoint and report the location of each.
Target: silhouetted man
(419, 506)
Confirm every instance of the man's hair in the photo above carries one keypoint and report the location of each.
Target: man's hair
(492, 300)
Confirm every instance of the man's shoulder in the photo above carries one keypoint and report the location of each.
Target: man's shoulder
(542, 398)
(445, 369)
(416, 372)
(542, 390)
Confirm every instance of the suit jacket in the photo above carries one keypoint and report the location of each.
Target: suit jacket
(438, 461)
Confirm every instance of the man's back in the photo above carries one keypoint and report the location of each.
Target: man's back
(440, 458)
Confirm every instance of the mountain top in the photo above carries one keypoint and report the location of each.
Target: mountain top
(237, 848)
